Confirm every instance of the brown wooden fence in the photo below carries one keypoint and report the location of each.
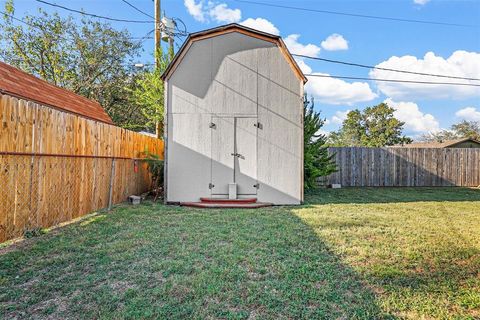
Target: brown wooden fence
(406, 167)
(56, 166)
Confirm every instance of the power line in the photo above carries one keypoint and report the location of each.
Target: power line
(145, 37)
(20, 20)
(103, 17)
(141, 11)
(140, 38)
(185, 31)
(358, 15)
(384, 69)
(31, 25)
(92, 14)
(303, 56)
(393, 80)
(383, 80)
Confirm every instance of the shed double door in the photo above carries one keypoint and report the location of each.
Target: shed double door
(234, 155)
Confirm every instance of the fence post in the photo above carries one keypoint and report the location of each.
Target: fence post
(110, 194)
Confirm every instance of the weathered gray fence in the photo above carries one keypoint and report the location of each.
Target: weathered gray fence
(406, 167)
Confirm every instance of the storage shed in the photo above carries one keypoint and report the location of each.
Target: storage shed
(234, 118)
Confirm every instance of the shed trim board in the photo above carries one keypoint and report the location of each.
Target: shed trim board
(233, 117)
(234, 27)
(302, 143)
(165, 140)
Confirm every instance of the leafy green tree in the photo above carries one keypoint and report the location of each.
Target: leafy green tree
(90, 58)
(149, 93)
(463, 129)
(467, 129)
(376, 126)
(317, 161)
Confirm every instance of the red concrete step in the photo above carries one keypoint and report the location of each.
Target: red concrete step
(231, 201)
(217, 205)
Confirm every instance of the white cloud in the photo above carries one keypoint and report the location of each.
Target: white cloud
(195, 9)
(222, 13)
(321, 131)
(336, 91)
(335, 42)
(339, 117)
(295, 47)
(262, 25)
(460, 63)
(415, 120)
(204, 12)
(303, 66)
(469, 113)
(421, 2)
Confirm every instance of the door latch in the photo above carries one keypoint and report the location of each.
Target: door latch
(211, 186)
(238, 155)
(258, 125)
(212, 125)
(256, 185)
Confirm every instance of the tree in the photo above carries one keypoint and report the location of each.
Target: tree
(463, 129)
(317, 161)
(87, 57)
(467, 129)
(376, 126)
(149, 93)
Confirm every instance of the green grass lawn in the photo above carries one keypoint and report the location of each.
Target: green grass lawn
(345, 254)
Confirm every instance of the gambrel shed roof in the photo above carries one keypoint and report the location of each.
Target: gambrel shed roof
(233, 27)
(26, 86)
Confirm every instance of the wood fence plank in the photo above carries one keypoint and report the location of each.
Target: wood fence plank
(373, 167)
(42, 191)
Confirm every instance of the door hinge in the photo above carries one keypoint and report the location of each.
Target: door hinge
(212, 125)
(256, 185)
(211, 185)
(258, 125)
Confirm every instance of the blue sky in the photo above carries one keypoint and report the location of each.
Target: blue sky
(410, 46)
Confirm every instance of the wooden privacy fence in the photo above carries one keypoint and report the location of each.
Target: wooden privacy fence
(56, 166)
(406, 167)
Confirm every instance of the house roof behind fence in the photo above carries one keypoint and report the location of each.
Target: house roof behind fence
(26, 86)
(436, 144)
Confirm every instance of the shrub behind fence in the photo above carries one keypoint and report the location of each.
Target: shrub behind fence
(406, 167)
(55, 166)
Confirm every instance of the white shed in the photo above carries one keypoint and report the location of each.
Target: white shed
(234, 118)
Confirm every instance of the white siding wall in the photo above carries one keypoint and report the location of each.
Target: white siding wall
(234, 74)
(280, 140)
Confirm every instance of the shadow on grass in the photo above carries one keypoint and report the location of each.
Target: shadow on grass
(391, 195)
(167, 262)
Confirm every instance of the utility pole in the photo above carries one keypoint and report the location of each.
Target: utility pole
(158, 32)
(158, 50)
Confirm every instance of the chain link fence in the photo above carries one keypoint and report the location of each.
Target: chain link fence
(38, 191)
